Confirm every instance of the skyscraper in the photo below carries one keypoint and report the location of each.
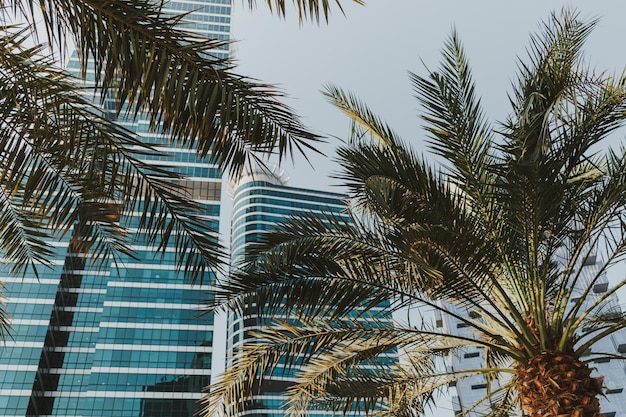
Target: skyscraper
(126, 340)
(262, 200)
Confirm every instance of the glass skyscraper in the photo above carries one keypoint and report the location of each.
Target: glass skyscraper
(261, 200)
(126, 340)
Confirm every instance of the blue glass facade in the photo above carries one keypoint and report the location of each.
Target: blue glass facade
(260, 202)
(126, 340)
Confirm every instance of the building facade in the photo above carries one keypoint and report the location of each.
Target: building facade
(126, 340)
(260, 201)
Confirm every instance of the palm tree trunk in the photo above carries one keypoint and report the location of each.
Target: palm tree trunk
(558, 384)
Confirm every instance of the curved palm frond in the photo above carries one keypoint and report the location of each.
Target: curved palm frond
(455, 120)
(362, 117)
(291, 341)
(53, 153)
(307, 10)
(360, 258)
(144, 57)
(65, 166)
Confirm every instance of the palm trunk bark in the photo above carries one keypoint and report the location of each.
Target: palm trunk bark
(558, 384)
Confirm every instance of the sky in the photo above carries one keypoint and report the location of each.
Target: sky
(371, 50)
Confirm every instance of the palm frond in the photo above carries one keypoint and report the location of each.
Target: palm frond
(313, 10)
(455, 120)
(288, 341)
(554, 56)
(50, 159)
(144, 58)
(64, 165)
(362, 116)
(294, 265)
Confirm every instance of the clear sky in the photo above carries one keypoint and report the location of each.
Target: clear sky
(371, 49)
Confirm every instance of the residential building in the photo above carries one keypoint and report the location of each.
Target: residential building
(124, 340)
(612, 404)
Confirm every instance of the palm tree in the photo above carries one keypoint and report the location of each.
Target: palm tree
(495, 238)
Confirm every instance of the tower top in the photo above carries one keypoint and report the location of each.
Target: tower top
(257, 172)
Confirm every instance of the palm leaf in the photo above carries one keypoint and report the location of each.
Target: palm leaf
(64, 165)
(455, 120)
(148, 62)
(306, 9)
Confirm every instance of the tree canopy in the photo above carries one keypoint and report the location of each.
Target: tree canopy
(507, 236)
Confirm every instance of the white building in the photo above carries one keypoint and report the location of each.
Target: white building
(473, 389)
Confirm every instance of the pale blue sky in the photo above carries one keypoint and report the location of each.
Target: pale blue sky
(372, 48)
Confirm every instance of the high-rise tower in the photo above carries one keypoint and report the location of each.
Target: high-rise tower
(261, 201)
(125, 340)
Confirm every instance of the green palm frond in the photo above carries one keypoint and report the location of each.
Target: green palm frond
(362, 117)
(52, 153)
(359, 258)
(455, 120)
(292, 342)
(64, 166)
(313, 10)
(147, 60)
(554, 56)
